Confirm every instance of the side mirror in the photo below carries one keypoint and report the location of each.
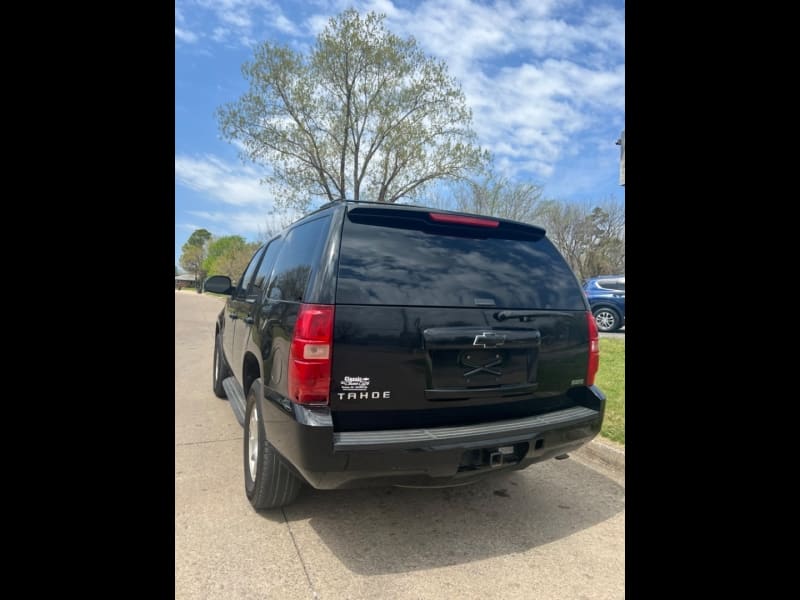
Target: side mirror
(218, 284)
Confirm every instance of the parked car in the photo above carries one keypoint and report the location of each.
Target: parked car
(377, 344)
(606, 296)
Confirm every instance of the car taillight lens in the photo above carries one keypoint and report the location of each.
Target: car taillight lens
(594, 349)
(463, 220)
(310, 355)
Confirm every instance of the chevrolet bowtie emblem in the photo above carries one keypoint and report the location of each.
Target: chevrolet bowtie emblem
(489, 339)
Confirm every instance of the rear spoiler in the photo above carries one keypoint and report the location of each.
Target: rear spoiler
(444, 222)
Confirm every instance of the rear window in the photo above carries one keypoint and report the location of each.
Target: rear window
(298, 256)
(399, 258)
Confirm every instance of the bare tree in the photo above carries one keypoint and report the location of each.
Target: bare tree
(591, 236)
(276, 222)
(489, 194)
(498, 196)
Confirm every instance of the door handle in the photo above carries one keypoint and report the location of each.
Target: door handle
(233, 316)
(248, 320)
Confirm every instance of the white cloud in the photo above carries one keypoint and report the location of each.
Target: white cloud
(240, 20)
(386, 7)
(247, 207)
(530, 113)
(248, 223)
(185, 35)
(188, 226)
(538, 74)
(285, 25)
(220, 33)
(245, 21)
(237, 185)
(316, 23)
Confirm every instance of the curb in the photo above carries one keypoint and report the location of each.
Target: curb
(611, 456)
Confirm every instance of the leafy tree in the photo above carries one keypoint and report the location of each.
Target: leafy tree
(229, 255)
(366, 115)
(193, 253)
(192, 260)
(199, 237)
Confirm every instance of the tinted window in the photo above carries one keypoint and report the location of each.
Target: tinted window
(410, 264)
(262, 276)
(247, 276)
(300, 253)
(612, 285)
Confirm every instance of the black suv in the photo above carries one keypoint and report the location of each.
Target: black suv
(375, 344)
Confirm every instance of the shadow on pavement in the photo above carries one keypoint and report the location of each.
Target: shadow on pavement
(396, 530)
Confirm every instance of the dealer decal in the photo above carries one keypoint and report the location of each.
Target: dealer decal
(357, 388)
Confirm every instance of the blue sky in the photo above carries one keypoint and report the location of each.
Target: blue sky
(545, 80)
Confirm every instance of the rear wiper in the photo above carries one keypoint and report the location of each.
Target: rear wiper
(511, 314)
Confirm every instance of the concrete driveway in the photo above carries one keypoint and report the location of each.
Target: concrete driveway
(555, 530)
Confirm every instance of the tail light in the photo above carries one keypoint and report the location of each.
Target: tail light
(594, 349)
(463, 220)
(310, 355)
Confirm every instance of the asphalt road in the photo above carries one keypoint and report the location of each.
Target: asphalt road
(555, 530)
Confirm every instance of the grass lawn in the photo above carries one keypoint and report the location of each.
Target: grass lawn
(611, 379)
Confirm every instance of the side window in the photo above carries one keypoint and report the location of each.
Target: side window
(614, 285)
(262, 276)
(300, 254)
(604, 284)
(247, 276)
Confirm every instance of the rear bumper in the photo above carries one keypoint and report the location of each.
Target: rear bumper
(427, 456)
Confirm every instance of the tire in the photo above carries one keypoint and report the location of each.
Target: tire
(219, 369)
(607, 319)
(268, 482)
